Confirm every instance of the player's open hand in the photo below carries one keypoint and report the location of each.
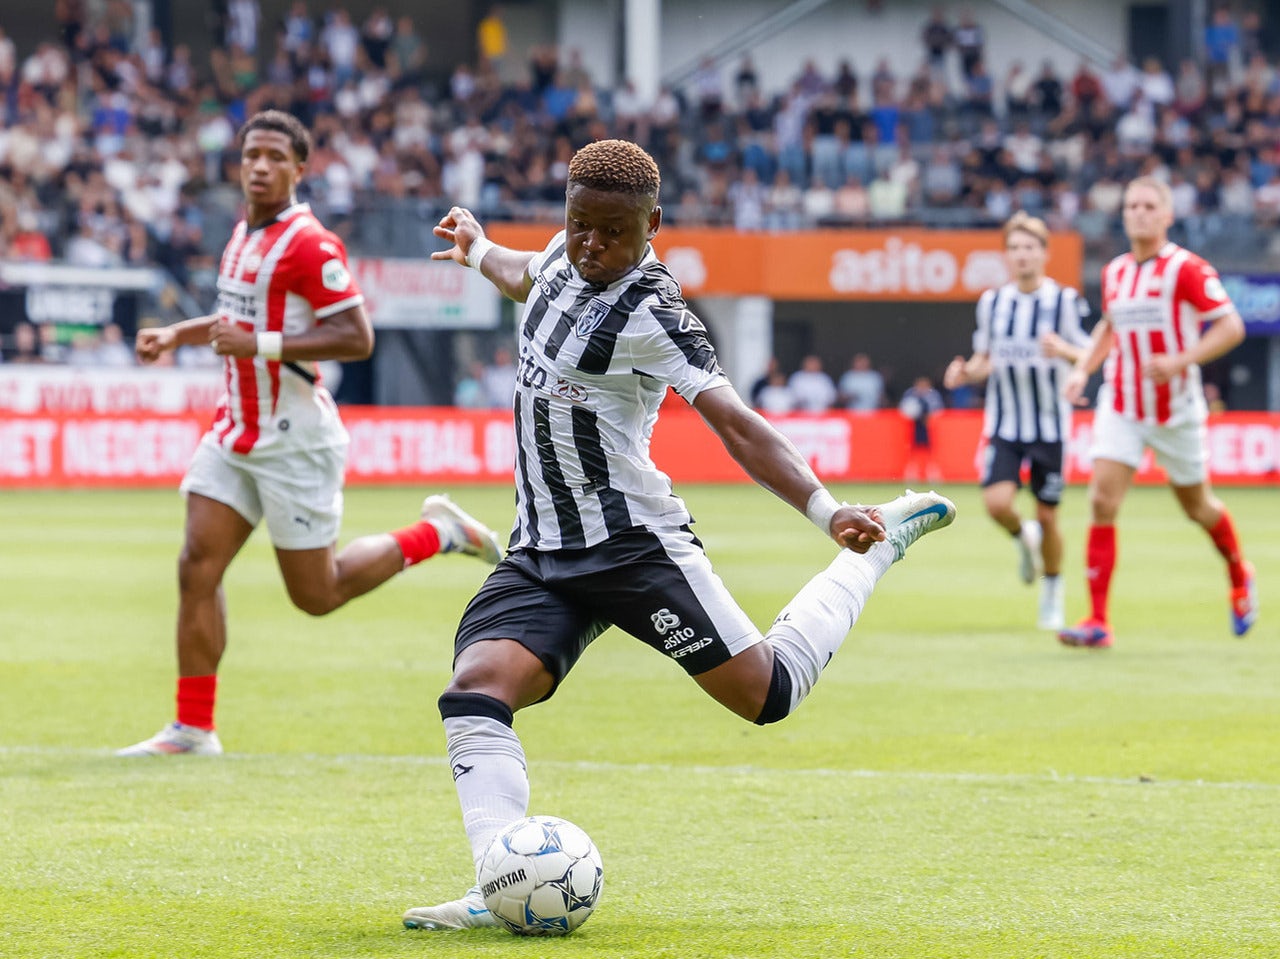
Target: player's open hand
(149, 344)
(459, 227)
(856, 527)
(954, 374)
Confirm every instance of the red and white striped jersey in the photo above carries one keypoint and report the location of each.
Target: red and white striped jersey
(284, 277)
(1158, 306)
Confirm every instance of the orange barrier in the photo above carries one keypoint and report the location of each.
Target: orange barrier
(391, 445)
(824, 265)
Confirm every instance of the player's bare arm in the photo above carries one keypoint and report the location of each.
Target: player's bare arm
(506, 269)
(1222, 336)
(960, 371)
(345, 336)
(151, 343)
(772, 461)
(1090, 359)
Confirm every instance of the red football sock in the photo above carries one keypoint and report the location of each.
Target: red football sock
(1224, 537)
(196, 696)
(1100, 559)
(417, 542)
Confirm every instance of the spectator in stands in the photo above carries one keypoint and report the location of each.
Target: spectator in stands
(937, 39)
(776, 396)
(1222, 47)
(861, 386)
(812, 386)
(970, 41)
(500, 379)
(470, 391)
(25, 344)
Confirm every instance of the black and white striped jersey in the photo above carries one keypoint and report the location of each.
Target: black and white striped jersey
(1024, 393)
(595, 363)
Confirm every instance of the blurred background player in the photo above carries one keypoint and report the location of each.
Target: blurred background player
(599, 537)
(1028, 332)
(277, 448)
(920, 403)
(1155, 299)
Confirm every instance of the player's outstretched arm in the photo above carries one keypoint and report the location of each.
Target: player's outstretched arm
(150, 343)
(772, 460)
(506, 269)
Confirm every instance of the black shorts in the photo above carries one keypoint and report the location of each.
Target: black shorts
(1002, 463)
(656, 584)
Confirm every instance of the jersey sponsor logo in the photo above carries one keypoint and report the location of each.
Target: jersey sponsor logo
(334, 276)
(593, 314)
(536, 377)
(664, 621)
(1214, 289)
(543, 284)
(237, 306)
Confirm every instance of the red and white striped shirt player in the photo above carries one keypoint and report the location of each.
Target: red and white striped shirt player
(276, 453)
(1157, 307)
(1164, 314)
(284, 277)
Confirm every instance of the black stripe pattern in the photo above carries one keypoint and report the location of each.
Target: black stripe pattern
(595, 363)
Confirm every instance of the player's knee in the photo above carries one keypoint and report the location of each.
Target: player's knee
(312, 603)
(197, 572)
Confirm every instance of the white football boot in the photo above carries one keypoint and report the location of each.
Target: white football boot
(1030, 562)
(911, 515)
(469, 912)
(1052, 613)
(177, 739)
(459, 531)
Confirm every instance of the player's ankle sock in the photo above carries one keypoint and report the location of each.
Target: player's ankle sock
(417, 542)
(1223, 535)
(196, 698)
(812, 626)
(1100, 560)
(488, 766)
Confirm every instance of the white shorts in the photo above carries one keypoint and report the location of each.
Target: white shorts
(298, 493)
(1183, 450)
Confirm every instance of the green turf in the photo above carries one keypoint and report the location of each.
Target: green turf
(958, 785)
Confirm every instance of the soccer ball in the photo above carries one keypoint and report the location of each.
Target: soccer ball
(541, 876)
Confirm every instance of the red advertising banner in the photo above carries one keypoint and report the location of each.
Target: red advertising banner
(391, 445)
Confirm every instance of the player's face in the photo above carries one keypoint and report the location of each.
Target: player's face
(1025, 255)
(606, 233)
(269, 169)
(1146, 216)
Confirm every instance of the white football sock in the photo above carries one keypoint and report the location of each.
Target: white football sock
(812, 626)
(489, 773)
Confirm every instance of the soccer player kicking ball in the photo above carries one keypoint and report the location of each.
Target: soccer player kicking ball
(1155, 300)
(1028, 333)
(600, 538)
(277, 449)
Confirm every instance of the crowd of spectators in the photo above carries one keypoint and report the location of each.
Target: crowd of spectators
(111, 142)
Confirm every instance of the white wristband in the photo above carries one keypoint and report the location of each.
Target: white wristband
(475, 253)
(821, 507)
(270, 345)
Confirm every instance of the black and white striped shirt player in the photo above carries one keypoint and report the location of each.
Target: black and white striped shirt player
(594, 365)
(600, 538)
(1024, 391)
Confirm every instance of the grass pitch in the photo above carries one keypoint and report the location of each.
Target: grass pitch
(958, 785)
